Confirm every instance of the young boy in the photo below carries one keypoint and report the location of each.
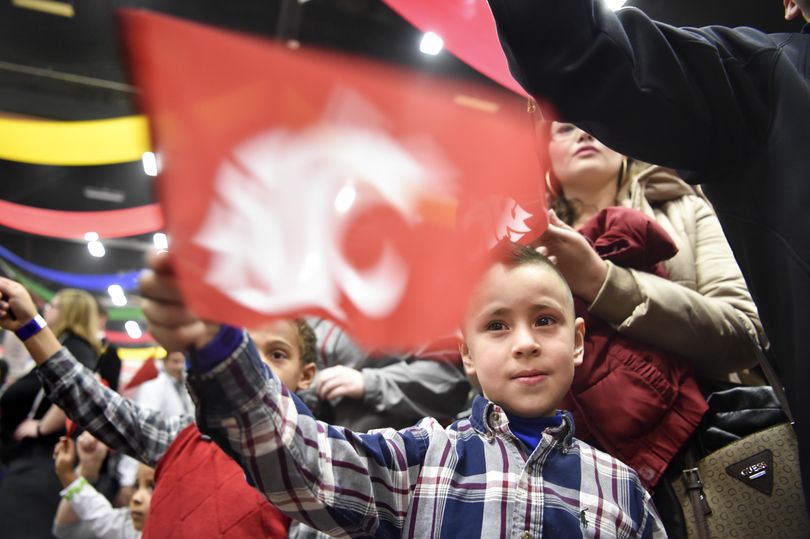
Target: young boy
(513, 469)
(84, 513)
(216, 499)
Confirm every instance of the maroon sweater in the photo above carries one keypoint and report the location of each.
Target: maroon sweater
(639, 403)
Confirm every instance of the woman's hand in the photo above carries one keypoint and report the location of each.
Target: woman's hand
(171, 323)
(581, 266)
(16, 305)
(340, 381)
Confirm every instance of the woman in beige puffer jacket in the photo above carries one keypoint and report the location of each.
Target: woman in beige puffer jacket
(703, 312)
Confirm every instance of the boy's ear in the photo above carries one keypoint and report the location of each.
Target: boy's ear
(307, 376)
(579, 341)
(464, 352)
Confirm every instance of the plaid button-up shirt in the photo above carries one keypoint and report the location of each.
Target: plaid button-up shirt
(116, 421)
(471, 479)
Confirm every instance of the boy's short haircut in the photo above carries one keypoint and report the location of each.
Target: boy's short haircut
(513, 254)
(307, 341)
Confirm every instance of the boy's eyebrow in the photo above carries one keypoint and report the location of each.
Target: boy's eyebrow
(502, 311)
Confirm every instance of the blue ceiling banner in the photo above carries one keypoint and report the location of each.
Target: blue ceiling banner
(99, 283)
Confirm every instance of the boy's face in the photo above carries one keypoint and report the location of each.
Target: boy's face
(521, 340)
(280, 348)
(142, 498)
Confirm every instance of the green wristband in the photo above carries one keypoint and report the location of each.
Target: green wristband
(75, 489)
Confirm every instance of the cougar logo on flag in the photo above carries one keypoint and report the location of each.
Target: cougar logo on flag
(514, 222)
(271, 257)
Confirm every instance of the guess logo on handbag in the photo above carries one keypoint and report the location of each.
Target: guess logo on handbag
(755, 471)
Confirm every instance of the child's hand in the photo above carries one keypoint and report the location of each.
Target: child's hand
(171, 323)
(91, 455)
(340, 381)
(64, 456)
(16, 306)
(581, 266)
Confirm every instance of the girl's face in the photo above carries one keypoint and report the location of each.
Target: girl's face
(580, 161)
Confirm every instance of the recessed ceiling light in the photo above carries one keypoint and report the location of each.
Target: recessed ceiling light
(133, 329)
(431, 44)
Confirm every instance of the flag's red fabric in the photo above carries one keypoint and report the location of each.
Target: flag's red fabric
(300, 181)
(468, 31)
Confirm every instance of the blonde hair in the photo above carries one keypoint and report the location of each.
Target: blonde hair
(78, 314)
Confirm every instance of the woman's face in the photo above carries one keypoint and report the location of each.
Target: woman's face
(51, 311)
(578, 160)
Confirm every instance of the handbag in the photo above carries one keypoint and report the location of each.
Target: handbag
(750, 487)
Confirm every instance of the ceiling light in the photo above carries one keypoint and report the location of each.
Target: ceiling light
(117, 295)
(615, 4)
(133, 329)
(150, 163)
(91, 236)
(96, 248)
(161, 241)
(431, 44)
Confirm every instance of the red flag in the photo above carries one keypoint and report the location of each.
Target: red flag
(299, 181)
(148, 371)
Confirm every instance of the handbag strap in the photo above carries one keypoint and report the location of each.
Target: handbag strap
(776, 384)
(694, 490)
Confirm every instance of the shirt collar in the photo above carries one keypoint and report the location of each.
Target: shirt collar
(488, 419)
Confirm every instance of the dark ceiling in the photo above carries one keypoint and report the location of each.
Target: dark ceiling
(71, 69)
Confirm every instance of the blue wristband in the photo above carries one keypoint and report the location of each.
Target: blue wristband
(31, 328)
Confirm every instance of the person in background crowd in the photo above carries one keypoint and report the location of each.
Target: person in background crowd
(84, 513)
(30, 425)
(364, 391)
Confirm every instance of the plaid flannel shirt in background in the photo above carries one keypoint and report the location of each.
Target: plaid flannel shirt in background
(472, 479)
(140, 433)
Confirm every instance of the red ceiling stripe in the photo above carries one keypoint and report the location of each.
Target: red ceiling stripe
(74, 224)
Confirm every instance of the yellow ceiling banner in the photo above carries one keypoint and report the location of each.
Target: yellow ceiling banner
(91, 142)
(141, 354)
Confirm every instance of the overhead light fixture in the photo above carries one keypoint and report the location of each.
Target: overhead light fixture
(150, 163)
(117, 295)
(95, 247)
(615, 4)
(431, 44)
(161, 241)
(133, 329)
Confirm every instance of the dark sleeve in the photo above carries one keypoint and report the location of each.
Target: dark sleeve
(692, 99)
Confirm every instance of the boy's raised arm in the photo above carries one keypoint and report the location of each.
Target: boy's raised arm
(116, 421)
(326, 477)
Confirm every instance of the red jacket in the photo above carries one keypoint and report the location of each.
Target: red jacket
(201, 492)
(639, 403)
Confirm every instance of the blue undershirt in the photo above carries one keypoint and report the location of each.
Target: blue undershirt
(530, 430)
